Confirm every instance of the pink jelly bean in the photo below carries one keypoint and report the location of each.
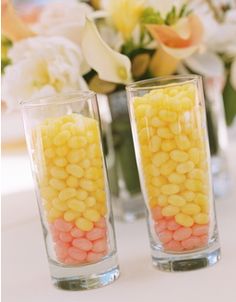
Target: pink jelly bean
(165, 236)
(69, 260)
(62, 244)
(77, 254)
(173, 245)
(191, 243)
(61, 251)
(156, 213)
(96, 233)
(82, 244)
(63, 226)
(101, 223)
(93, 257)
(172, 225)
(160, 225)
(182, 233)
(99, 245)
(65, 237)
(75, 232)
(204, 239)
(199, 230)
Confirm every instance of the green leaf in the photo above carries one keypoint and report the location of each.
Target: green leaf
(229, 95)
(150, 16)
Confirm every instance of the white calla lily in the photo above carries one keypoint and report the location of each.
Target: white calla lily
(110, 65)
(207, 64)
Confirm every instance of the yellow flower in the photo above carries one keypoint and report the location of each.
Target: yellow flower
(125, 15)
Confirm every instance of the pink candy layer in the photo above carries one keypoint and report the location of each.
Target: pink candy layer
(73, 246)
(175, 237)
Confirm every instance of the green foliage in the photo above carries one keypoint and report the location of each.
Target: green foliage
(150, 16)
(5, 45)
(229, 96)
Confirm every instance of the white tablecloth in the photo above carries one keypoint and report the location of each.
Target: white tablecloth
(25, 269)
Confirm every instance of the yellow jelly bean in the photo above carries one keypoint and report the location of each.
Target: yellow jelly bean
(156, 122)
(175, 128)
(143, 110)
(57, 184)
(153, 202)
(85, 164)
(48, 193)
(145, 135)
(61, 138)
(162, 200)
(158, 181)
(184, 220)
(188, 195)
(76, 205)
(49, 152)
(93, 173)
(76, 142)
(75, 170)
(168, 116)
(90, 201)
(81, 194)
(191, 209)
(155, 143)
(92, 215)
(151, 170)
(164, 132)
(62, 151)
(182, 142)
(59, 173)
(176, 200)
(185, 167)
(194, 155)
(100, 183)
(100, 196)
(176, 178)
(170, 189)
(194, 185)
(60, 162)
(67, 193)
(87, 185)
(59, 205)
(170, 211)
(196, 174)
(168, 167)
(202, 201)
(179, 156)
(84, 224)
(168, 145)
(72, 182)
(201, 218)
(160, 158)
(93, 151)
(74, 156)
(54, 214)
(70, 215)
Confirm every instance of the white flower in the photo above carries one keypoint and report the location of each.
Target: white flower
(165, 6)
(63, 18)
(41, 66)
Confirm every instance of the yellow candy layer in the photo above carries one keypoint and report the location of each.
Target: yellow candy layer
(70, 169)
(173, 153)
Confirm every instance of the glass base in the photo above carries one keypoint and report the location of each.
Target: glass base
(180, 262)
(129, 209)
(83, 277)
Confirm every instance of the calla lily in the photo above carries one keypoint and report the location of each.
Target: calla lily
(12, 26)
(110, 65)
(179, 40)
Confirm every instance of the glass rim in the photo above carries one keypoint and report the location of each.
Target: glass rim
(61, 98)
(140, 85)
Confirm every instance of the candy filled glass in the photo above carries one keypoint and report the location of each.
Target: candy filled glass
(172, 151)
(64, 143)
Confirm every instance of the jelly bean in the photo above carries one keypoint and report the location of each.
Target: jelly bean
(184, 220)
(75, 232)
(59, 173)
(182, 142)
(190, 209)
(61, 151)
(165, 236)
(87, 185)
(164, 132)
(76, 142)
(59, 205)
(74, 156)
(162, 200)
(90, 202)
(156, 213)
(172, 225)
(84, 224)
(173, 245)
(65, 237)
(67, 193)
(182, 233)
(99, 245)
(160, 158)
(185, 167)
(176, 178)
(72, 182)
(77, 254)
(82, 195)
(188, 195)
(167, 116)
(57, 184)
(161, 225)
(170, 189)
(168, 145)
(179, 156)
(61, 251)
(92, 215)
(82, 244)
(168, 167)
(62, 226)
(194, 185)
(75, 170)
(194, 155)
(94, 257)
(170, 211)
(199, 230)
(61, 138)
(159, 181)
(176, 200)
(191, 243)
(48, 193)
(175, 128)
(76, 205)
(96, 233)
(60, 162)
(201, 218)
(70, 215)
(101, 223)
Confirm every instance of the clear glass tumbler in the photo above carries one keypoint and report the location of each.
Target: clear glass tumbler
(64, 142)
(172, 150)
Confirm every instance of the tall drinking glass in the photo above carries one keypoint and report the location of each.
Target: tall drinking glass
(172, 150)
(64, 143)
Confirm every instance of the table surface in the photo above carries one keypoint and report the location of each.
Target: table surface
(25, 269)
